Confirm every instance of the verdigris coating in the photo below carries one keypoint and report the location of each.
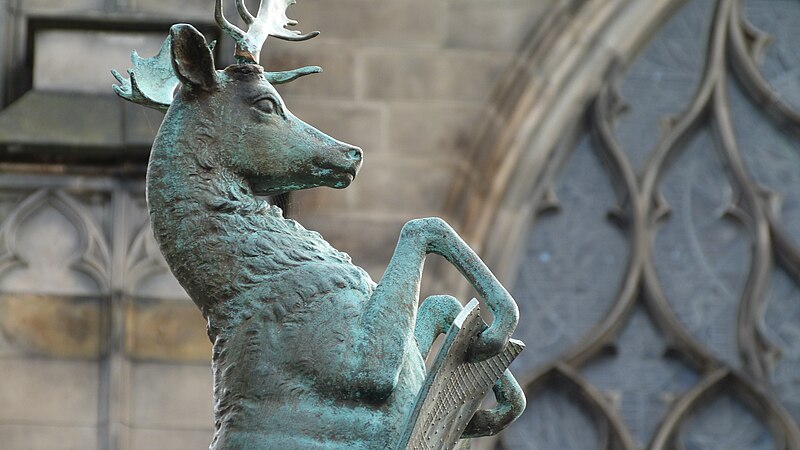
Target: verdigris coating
(308, 352)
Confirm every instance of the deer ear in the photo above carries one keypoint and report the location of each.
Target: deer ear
(191, 57)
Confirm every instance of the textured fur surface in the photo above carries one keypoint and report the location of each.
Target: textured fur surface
(283, 306)
(309, 352)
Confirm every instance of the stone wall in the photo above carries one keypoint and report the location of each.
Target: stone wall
(407, 80)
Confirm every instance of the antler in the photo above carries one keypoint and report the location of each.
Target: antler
(270, 20)
(152, 80)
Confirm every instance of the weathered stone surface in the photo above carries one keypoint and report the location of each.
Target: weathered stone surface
(40, 391)
(51, 325)
(431, 131)
(337, 61)
(61, 7)
(385, 190)
(54, 65)
(36, 437)
(394, 184)
(511, 20)
(144, 439)
(171, 396)
(166, 330)
(393, 22)
(65, 119)
(49, 237)
(140, 125)
(348, 121)
(179, 9)
(440, 75)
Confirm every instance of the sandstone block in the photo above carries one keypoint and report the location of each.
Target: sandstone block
(386, 186)
(143, 439)
(27, 437)
(393, 22)
(41, 391)
(61, 7)
(54, 66)
(491, 25)
(97, 126)
(357, 124)
(425, 130)
(180, 9)
(443, 75)
(413, 188)
(171, 396)
(166, 330)
(337, 61)
(51, 326)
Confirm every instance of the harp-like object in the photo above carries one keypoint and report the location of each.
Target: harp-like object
(455, 386)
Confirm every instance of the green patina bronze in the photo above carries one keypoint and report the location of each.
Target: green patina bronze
(309, 352)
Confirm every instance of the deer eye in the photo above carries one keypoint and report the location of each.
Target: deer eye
(267, 105)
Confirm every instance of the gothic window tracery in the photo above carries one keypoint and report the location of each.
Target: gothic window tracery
(659, 286)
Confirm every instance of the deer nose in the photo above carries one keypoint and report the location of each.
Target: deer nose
(354, 154)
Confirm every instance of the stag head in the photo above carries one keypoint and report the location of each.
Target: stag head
(236, 114)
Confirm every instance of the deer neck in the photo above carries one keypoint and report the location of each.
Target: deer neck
(200, 211)
(219, 240)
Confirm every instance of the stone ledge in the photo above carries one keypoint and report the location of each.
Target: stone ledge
(52, 126)
(166, 330)
(53, 326)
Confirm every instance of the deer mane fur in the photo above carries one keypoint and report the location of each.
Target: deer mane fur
(235, 247)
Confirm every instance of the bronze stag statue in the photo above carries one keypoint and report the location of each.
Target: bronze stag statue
(308, 351)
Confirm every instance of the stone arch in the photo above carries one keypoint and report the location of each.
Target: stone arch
(681, 298)
(560, 68)
(85, 267)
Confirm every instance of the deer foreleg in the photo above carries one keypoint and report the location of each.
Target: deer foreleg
(510, 405)
(387, 323)
(435, 316)
(436, 236)
(389, 318)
